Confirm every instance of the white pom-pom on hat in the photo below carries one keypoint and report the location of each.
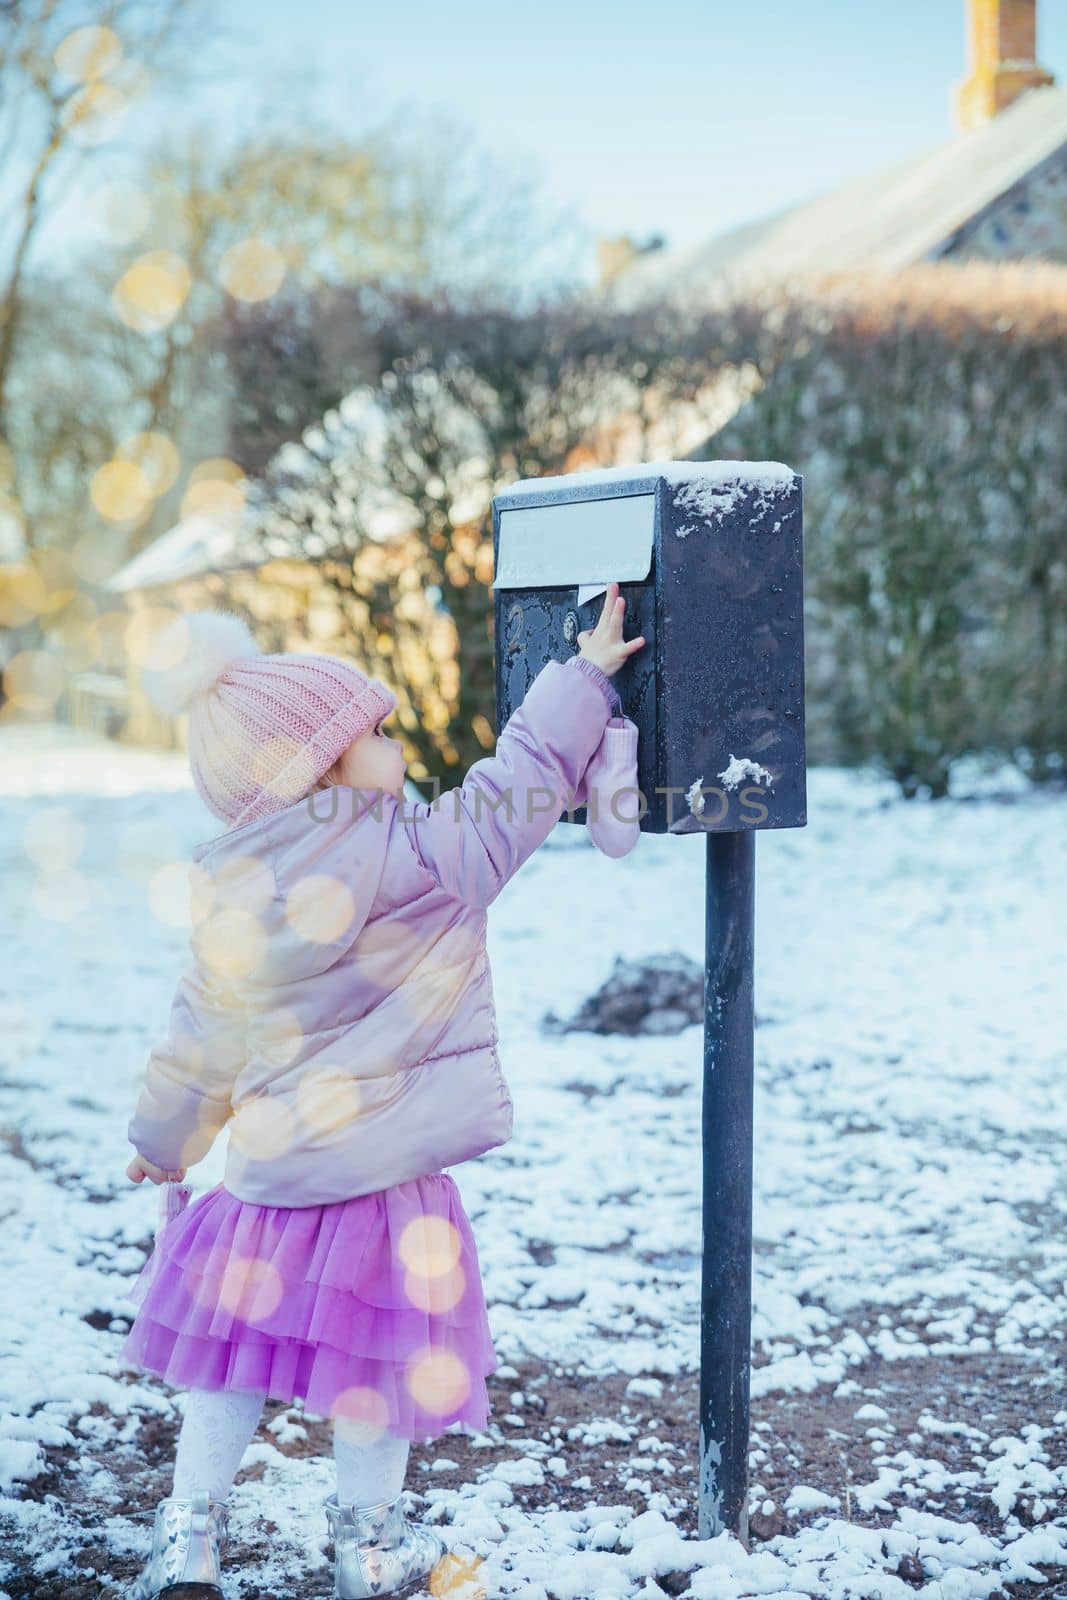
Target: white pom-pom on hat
(191, 653)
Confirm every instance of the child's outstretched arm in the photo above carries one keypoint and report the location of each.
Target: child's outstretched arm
(474, 839)
(185, 1097)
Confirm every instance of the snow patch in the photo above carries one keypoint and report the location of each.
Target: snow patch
(712, 499)
(804, 1498)
(740, 768)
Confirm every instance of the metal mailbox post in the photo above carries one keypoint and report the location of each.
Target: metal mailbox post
(709, 558)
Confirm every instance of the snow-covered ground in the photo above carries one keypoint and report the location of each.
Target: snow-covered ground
(910, 1122)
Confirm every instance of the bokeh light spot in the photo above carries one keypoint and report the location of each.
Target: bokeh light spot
(430, 1246)
(327, 1099)
(262, 1129)
(34, 680)
(120, 491)
(360, 1414)
(251, 1289)
(320, 908)
(88, 53)
(252, 270)
(152, 291)
(230, 943)
(23, 597)
(438, 1381)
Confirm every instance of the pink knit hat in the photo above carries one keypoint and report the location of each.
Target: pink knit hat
(262, 728)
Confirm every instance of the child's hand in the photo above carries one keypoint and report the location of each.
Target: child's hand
(604, 646)
(139, 1169)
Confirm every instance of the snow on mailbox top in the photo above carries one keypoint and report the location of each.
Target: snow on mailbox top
(575, 536)
(759, 474)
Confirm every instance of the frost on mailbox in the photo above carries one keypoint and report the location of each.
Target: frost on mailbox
(708, 555)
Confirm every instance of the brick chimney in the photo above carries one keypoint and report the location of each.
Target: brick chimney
(616, 256)
(1002, 44)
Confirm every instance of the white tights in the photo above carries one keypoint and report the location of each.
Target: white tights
(217, 1430)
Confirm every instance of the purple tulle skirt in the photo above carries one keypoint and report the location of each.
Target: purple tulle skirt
(370, 1309)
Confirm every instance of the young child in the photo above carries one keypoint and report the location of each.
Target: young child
(338, 1017)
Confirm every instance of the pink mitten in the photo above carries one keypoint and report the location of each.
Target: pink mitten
(608, 789)
(173, 1199)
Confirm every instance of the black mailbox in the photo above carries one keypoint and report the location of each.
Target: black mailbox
(709, 558)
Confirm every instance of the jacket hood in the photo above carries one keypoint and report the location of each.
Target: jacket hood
(280, 897)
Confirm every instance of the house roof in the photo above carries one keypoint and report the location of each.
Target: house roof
(196, 545)
(889, 219)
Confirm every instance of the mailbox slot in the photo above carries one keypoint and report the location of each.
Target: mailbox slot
(553, 562)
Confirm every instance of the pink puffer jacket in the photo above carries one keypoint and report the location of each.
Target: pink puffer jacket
(338, 1013)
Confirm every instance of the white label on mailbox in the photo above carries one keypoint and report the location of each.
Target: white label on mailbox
(576, 542)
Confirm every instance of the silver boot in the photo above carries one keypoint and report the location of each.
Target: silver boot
(377, 1550)
(189, 1538)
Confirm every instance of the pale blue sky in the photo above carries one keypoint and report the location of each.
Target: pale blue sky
(685, 116)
